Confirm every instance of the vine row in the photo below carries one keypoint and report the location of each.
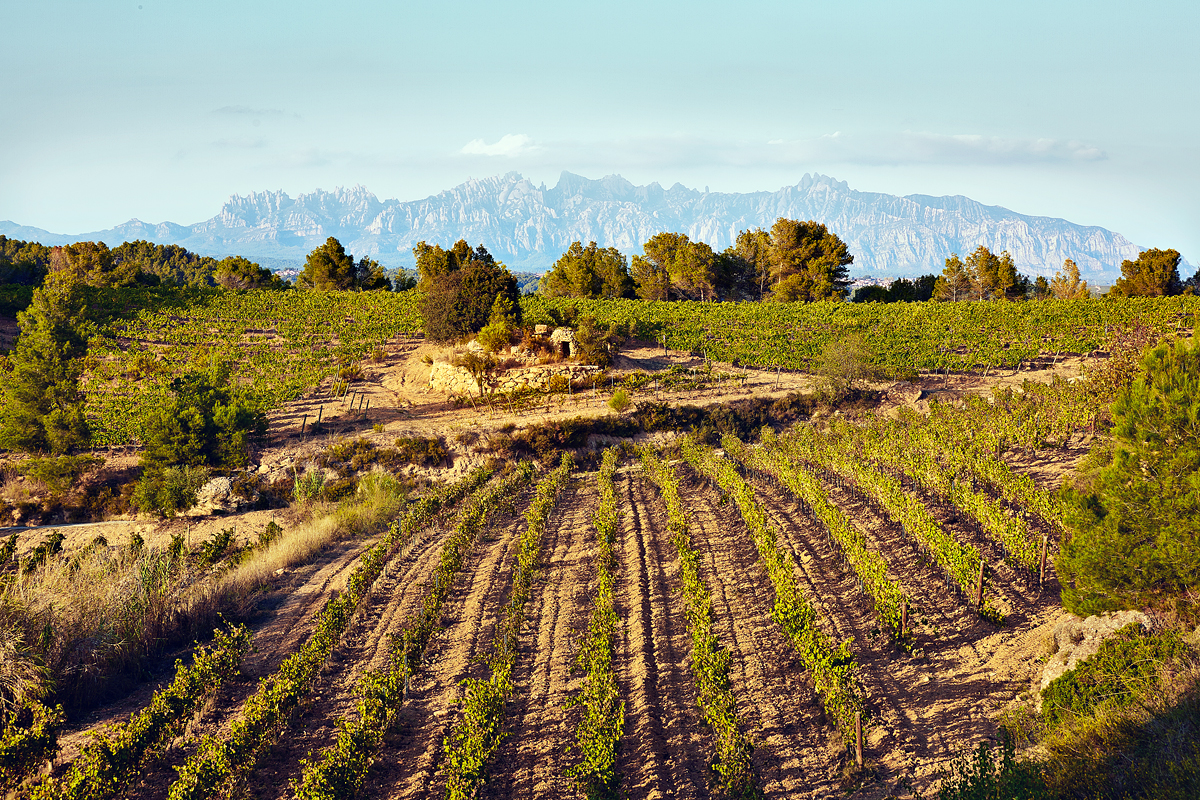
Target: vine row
(476, 735)
(603, 723)
(832, 666)
(869, 566)
(217, 764)
(710, 663)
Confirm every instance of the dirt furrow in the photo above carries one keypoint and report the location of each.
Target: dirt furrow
(664, 753)
(532, 761)
(408, 765)
(779, 711)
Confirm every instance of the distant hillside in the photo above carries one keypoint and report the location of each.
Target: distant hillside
(529, 226)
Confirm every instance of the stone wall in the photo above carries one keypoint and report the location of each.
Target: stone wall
(445, 377)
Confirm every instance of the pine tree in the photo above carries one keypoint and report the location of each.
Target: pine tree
(43, 407)
(1135, 531)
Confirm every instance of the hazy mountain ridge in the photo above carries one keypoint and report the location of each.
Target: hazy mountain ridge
(529, 226)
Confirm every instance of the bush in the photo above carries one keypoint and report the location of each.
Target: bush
(619, 401)
(459, 303)
(58, 473)
(980, 776)
(844, 365)
(594, 345)
(168, 491)
(1124, 664)
(309, 486)
(1134, 525)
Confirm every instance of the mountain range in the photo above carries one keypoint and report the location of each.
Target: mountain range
(528, 227)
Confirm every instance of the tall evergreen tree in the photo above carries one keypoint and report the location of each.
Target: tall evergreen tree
(1135, 523)
(808, 262)
(43, 407)
(1154, 273)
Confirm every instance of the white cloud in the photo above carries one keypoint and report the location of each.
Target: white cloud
(933, 148)
(509, 145)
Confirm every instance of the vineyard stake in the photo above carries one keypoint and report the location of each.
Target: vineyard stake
(320, 412)
(303, 422)
(979, 585)
(858, 743)
(903, 618)
(1042, 568)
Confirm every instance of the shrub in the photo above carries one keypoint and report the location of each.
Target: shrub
(459, 303)
(308, 486)
(422, 451)
(619, 401)
(1124, 664)
(844, 364)
(979, 775)
(168, 491)
(59, 473)
(594, 345)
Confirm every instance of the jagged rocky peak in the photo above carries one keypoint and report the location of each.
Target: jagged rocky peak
(529, 226)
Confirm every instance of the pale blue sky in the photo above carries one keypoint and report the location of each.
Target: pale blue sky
(162, 109)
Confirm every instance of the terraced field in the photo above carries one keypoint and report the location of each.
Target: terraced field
(433, 612)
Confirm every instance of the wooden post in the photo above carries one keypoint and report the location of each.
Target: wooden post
(904, 617)
(979, 585)
(858, 743)
(368, 408)
(1042, 568)
(320, 413)
(303, 422)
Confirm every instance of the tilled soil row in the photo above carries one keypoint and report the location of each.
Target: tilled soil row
(274, 640)
(409, 762)
(397, 594)
(666, 750)
(532, 762)
(780, 712)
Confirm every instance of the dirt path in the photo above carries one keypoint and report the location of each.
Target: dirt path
(665, 752)
(776, 704)
(408, 765)
(531, 763)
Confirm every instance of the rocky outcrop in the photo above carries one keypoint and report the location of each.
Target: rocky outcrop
(529, 226)
(218, 497)
(1077, 639)
(445, 377)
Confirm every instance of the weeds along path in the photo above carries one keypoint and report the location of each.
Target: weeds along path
(925, 705)
(408, 763)
(779, 707)
(531, 763)
(364, 646)
(279, 636)
(665, 750)
(289, 624)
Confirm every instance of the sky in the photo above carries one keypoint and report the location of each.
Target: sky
(162, 109)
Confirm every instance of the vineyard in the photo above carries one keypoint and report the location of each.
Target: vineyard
(279, 346)
(741, 620)
(797, 611)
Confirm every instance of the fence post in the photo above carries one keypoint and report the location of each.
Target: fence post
(858, 742)
(1042, 567)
